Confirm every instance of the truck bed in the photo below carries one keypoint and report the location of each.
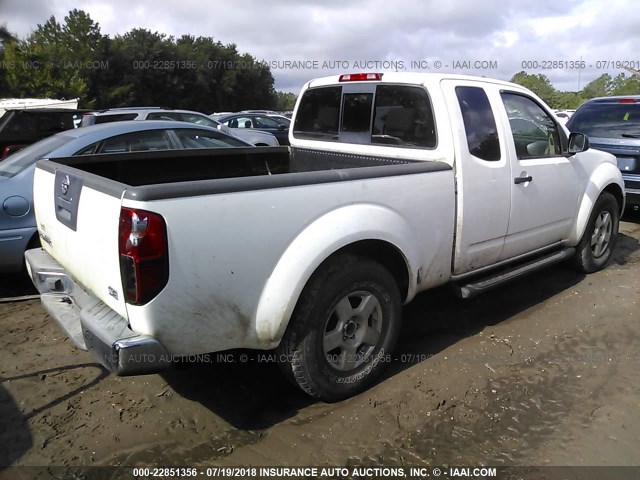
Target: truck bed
(162, 167)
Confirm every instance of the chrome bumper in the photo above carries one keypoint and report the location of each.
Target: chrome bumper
(90, 323)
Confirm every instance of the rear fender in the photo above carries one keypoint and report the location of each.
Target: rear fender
(314, 245)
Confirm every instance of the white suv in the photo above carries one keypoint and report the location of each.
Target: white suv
(254, 137)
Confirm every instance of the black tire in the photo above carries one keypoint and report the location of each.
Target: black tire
(599, 238)
(363, 341)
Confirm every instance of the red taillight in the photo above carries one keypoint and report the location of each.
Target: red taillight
(627, 100)
(144, 259)
(359, 77)
(9, 149)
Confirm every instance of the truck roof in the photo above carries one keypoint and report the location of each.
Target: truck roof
(408, 77)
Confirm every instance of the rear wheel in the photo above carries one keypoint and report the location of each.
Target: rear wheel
(599, 238)
(343, 328)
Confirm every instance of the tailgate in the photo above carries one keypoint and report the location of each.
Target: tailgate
(77, 215)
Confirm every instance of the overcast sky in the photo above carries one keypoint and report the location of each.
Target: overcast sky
(481, 37)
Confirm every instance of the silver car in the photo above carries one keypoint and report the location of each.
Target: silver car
(17, 221)
(157, 113)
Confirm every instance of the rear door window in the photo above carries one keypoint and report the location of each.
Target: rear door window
(479, 123)
(131, 142)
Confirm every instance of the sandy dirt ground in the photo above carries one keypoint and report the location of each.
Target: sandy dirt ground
(544, 371)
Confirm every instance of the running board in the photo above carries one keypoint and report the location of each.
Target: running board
(486, 283)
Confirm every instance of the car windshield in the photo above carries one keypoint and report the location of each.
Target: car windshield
(607, 120)
(26, 157)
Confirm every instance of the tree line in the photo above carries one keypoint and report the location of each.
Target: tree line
(74, 59)
(602, 86)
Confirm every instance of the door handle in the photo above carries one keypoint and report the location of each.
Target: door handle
(519, 180)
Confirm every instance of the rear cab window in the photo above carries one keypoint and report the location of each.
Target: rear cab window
(385, 114)
(318, 114)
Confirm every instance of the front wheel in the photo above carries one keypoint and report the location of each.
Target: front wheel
(599, 238)
(343, 328)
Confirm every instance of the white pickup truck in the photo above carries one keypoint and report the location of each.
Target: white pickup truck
(394, 183)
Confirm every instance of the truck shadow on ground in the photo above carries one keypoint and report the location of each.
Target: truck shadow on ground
(247, 390)
(16, 285)
(15, 434)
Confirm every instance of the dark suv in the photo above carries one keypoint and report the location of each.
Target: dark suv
(19, 128)
(613, 125)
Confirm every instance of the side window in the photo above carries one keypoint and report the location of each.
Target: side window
(118, 117)
(204, 139)
(162, 116)
(318, 114)
(241, 122)
(403, 116)
(479, 123)
(135, 142)
(535, 134)
(182, 117)
(51, 123)
(265, 122)
(22, 123)
(90, 150)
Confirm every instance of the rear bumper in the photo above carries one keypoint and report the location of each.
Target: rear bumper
(90, 323)
(632, 188)
(633, 197)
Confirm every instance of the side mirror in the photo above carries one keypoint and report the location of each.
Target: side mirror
(281, 128)
(578, 142)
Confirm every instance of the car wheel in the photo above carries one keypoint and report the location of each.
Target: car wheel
(599, 238)
(343, 328)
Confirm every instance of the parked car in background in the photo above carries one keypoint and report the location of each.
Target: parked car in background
(563, 116)
(262, 112)
(613, 125)
(29, 103)
(255, 121)
(257, 138)
(17, 221)
(22, 127)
